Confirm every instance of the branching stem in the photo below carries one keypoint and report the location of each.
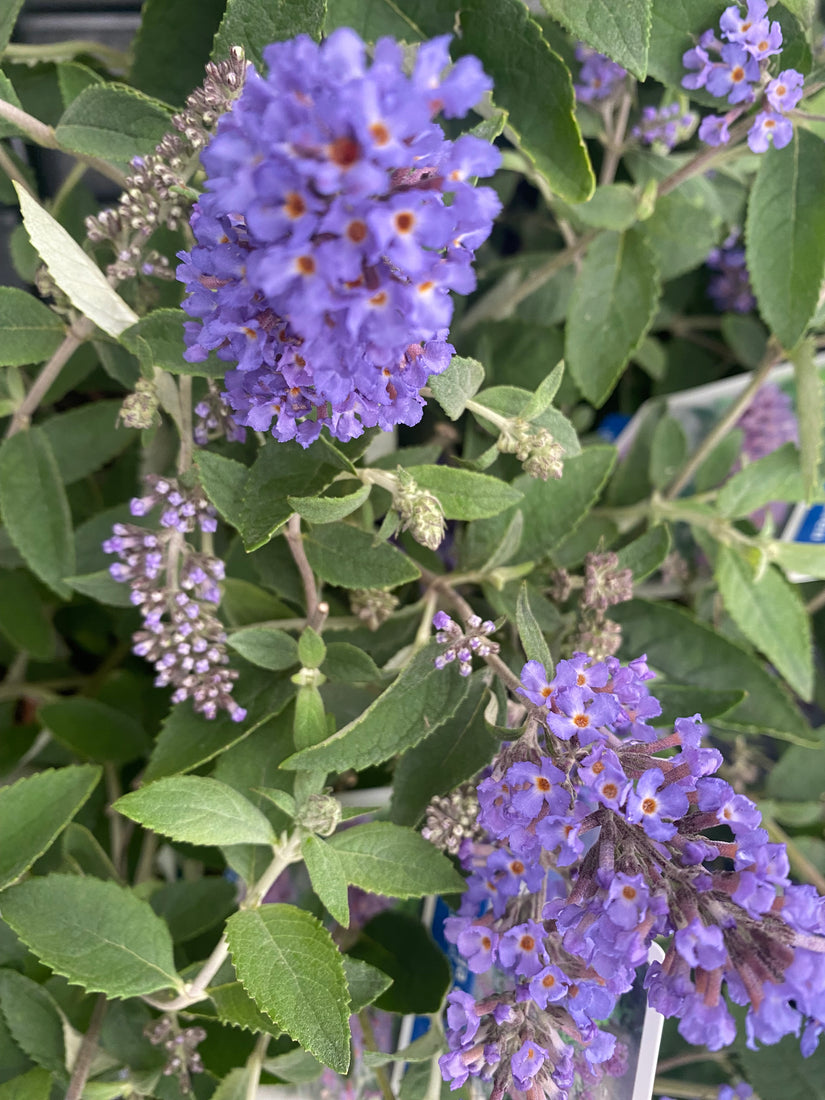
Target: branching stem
(79, 332)
(86, 1053)
(317, 610)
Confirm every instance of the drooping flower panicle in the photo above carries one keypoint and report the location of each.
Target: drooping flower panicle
(603, 833)
(176, 589)
(337, 219)
(741, 75)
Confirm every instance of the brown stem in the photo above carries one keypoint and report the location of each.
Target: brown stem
(703, 160)
(317, 611)
(12, 171)
(370, 1043)
(816, 604)
(186, 437)
(615, 141)
(88, 1048)
(772, 356)
(79, 332)
(689, 1060)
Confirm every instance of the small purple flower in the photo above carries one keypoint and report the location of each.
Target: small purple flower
(735, 26)
(548, 986)
(701, 945)
(599, 77)
(734, 75)
(583, 713)
(701, 66)
(522, 949)
(534, 683)
(649, 803)
(627, 899)
(785, 91)
(462, 1017)
(535, 786)
(478, 944)
(526, 1063)
(769, 127)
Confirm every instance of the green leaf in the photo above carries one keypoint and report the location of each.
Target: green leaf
(611, 206)
(245, 603)
(678, 701)
(310, 725)
(512, 400)
(35, 509)
(622, 31)
(113, 122)
(289, 965)
(327, 874)
(810, 411)
(349, 664)
(345, 556)
(668, 450)
(34, 1020)
(86, 438)
(365, 982)
(236, 1008)
(800, 557)
(454, 753)
(400, 946)
(329, 509)
(774, 477)
(675, 27)
(34, 1085)
(680, 234)
(186, 740)
(785, 235)
(159, 66)
(771, 615)
(101, 586)
(457, 385)
(464, 494)
(612, 306)
(778, 1070)
(224, 482)
(29, 330)
(83, 855)
(798, 775)
(281, 470)
(192, 907)
(428, 1046)
(646, 553)
(296, 1067)
(77, 275)
(554, 509)
(96, 934)
(533, 85)
(23, 618)
(718, 464)
(415, 704)
(311, 648)
(383, 858)
(196, 810)
(265, 646)
(689, 651)
(160, 333)
(94, 730)
(8, 17)
(253, 24)
(532, 640)
(34, 810)
(746, 336)
(543, 397)
(74, 78)
(282, 799)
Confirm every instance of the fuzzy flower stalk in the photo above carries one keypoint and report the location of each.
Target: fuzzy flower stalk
(336, 221)
(603, 833)
(176, 590)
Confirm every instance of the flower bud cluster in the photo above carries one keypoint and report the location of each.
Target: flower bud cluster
(155, 193)
(535, 448)
(462, 645)
(605, 833)
(139, 409)
(666, 125)
(451, 819)
(213, 420)
(176, 589)
(419, 511)
(181, 1046)
(604, 585)
(337, 219)
(373, 606)
(748, 41)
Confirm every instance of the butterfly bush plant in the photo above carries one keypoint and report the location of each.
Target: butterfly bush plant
(326, 585)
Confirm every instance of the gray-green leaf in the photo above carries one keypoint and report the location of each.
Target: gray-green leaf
(328, 877)
(29, 330)
(389, 859)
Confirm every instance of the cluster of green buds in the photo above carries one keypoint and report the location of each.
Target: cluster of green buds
(413, 509)
(535, 448)
(140, 409)
(373, 606)
(603, 585)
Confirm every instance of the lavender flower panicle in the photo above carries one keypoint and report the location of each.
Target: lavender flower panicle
(176, 589)
(666, 125)
(460, 644)
(595, 844)
(336, 221)
(741, 76)
(599, 77)
(730, 289)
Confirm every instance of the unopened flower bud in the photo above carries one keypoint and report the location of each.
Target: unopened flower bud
(420, 512)
(139, 409)
(321, 814)
(373, 606)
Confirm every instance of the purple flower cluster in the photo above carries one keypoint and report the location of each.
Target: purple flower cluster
(176, 589)
(730, 288)
(599, 77)
(598, 828)
(336, 221)
(741, 75)
(462, 645)
(768, 422)
(214, 420)
(667, 125)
